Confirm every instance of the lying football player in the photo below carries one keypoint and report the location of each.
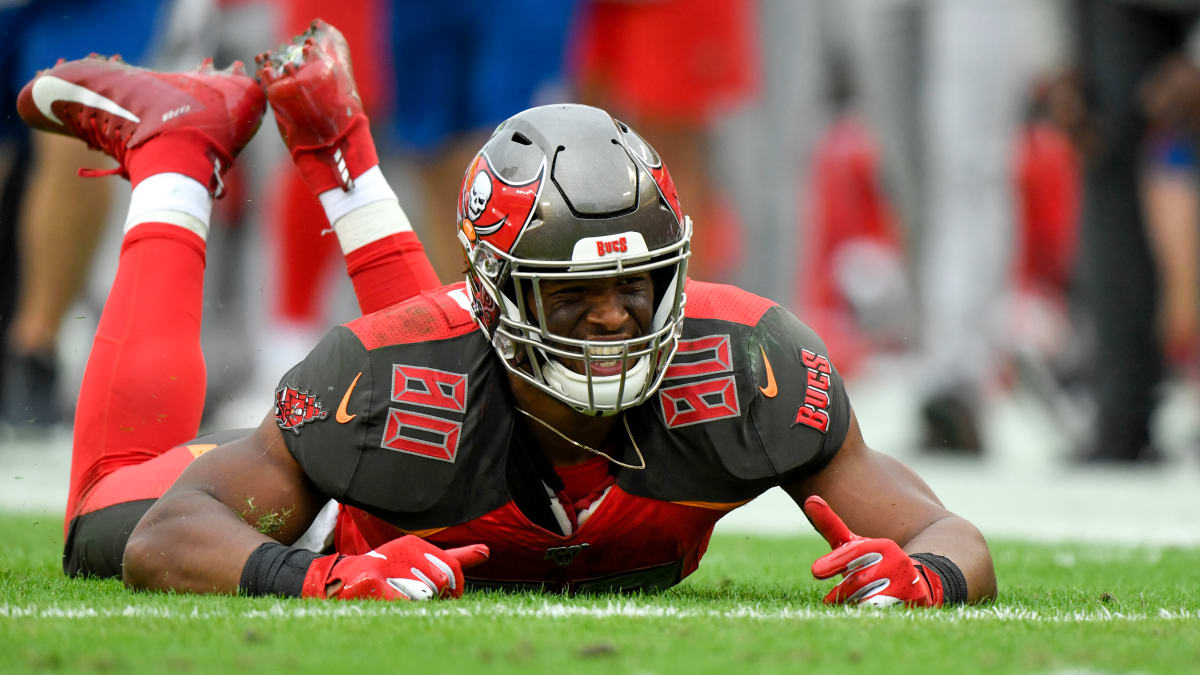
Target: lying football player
(576, 416)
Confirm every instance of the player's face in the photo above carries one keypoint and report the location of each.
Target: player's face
(616, 308)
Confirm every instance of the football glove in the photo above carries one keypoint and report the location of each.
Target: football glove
(408, 568)
(876, 571)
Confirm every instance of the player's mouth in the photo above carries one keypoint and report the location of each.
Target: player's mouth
(601, 362)
(604, 360)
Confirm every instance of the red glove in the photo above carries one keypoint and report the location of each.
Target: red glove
(408, 568)
(877, 571)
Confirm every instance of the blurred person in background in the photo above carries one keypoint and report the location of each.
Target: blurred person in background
(764, 149)
(1134, 108)
(943, 85)
(1170, 187)
(459, 69)
(713, 69)
(736, 110)
(46, 240)
(852, 283)
(1172, 208)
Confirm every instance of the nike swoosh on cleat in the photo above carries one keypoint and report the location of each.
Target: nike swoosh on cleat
(47, 89)
(770, 390)
(341, 415)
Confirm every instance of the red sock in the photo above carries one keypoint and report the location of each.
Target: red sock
(186, 152)
(390, 270)
(144, 385)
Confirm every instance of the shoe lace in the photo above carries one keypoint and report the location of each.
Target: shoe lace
(101, 136)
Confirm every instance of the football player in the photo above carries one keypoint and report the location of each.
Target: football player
(576, 416)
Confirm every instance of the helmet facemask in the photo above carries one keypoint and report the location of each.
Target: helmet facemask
(530, 351)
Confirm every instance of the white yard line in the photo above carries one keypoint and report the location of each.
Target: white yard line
(611, 610)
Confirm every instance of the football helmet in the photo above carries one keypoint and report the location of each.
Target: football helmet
(566, 192)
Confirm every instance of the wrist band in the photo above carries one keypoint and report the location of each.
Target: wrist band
(954, 584)
(275, 569)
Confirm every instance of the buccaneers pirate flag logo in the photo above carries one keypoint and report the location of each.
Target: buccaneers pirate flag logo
(294, 407)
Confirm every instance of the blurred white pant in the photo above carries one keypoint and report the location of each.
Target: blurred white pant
(944, 85)
(762, 152)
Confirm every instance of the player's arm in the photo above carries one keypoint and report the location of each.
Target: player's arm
(221, 526)
(226, 504)
(878, 498)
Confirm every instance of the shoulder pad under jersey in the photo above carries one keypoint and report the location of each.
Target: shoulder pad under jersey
(416, 429)
(751, 400)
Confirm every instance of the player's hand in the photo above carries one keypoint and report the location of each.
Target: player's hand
(877, 571)
(408, 568)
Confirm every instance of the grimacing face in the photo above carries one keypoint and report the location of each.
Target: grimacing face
(613, 308)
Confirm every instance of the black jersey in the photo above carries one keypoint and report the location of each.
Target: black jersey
(405, 417)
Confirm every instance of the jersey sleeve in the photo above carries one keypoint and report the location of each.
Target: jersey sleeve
(802, 413)
(314, 402)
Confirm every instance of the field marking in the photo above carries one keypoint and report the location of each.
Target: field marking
(553, 610)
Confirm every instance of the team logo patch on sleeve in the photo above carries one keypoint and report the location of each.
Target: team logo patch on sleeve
(295, 408)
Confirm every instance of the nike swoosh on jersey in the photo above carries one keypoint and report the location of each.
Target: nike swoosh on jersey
(770, 390)
(341, 415)
(48, 89)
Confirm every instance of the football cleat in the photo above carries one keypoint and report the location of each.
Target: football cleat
(115, 107)
(310, 84)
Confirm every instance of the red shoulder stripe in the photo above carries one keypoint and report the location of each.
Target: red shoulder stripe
(432, 315)
(728, 303)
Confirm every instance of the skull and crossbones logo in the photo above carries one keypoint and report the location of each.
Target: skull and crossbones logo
(481, 192)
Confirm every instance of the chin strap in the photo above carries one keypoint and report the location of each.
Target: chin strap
(594, 451)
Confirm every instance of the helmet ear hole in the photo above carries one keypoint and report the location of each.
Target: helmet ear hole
(661, 279)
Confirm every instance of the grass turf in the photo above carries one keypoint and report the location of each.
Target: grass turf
(751, 607)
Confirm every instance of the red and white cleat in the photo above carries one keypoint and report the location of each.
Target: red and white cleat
(115, 107)
(310, 84)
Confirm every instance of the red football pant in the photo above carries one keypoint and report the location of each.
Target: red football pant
(144, 385)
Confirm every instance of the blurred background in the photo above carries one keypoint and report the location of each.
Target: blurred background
(987, 208)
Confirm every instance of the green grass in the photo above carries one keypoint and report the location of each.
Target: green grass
(752, 607)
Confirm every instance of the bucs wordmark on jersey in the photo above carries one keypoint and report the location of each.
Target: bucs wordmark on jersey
(405, 417)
